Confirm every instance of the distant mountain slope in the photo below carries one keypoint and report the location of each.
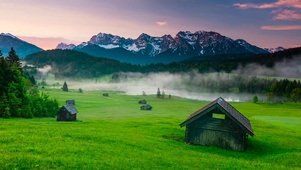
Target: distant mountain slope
(22, 48)
(70, 63)
(166, 49)
(268, 60)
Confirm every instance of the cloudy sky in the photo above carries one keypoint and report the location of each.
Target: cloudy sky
(45, 23)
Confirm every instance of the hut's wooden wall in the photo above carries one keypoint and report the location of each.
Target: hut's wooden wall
(64, 115)
(216, 132)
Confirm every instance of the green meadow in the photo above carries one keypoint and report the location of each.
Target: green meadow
(113, 133)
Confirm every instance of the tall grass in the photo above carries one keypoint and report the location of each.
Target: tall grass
(113, 133)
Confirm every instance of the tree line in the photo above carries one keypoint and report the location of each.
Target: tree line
(18, 96)
(276, 90)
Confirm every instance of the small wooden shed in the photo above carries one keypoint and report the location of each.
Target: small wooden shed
(218, 124)
(142, 101)
(67, 112)
(146, 107)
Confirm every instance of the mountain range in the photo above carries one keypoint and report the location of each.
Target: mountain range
(166, 49)
(147, 49)
(22, 48)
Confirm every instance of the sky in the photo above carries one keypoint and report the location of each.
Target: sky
(46, 23)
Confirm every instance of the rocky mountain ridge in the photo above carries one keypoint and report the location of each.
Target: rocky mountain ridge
(164, 49)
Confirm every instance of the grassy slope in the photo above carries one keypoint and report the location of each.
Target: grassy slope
(113, 133)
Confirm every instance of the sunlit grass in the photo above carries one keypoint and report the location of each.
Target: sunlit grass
(113, 133)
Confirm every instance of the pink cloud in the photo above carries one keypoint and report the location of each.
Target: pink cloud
(281, 27)
(249, 5)
(287, 15)
(45, 43)
(279, 3)
(161, 23)
(289, 3)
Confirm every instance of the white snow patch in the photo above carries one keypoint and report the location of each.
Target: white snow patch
(82, 45)
(109, 46)
(133, 47)
(191, 42)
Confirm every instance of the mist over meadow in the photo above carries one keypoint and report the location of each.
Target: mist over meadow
(189, 84)
(286, 68)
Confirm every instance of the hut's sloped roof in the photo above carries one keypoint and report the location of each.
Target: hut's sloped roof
(71, 109)
(228, 109)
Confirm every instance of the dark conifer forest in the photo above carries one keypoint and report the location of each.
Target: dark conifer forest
(18, 95)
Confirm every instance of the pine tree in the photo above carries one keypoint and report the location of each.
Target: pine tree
(32, 80)
(13, 58)
(158, 93)
(6, 113)
(255, 99)
(5, 75)
(65, 87)
(295, 95)
(3, 104)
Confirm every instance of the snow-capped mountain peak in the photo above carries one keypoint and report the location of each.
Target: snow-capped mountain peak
(23, 48)
(9, 35)
(65, 46)
(185, 44)
(273, 50)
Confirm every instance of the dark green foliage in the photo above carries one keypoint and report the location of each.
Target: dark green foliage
(3, 105)
(43, 83)
(255, 99)
(79, 64)
(13, 58)
(158, 93)
(43, 106)
(15, 100)
(5, 75)
(65, 87)
(295, 95)
(6, 113)
(80, 90)
(32, 79)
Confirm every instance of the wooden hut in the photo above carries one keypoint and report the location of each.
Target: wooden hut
(67, 112)
(146, 107)
(105, 94)
(218, 124)
(142, 101)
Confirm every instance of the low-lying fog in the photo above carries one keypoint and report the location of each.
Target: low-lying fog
(170, 84)
(178, 84)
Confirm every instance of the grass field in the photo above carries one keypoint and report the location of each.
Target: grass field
(113, 133)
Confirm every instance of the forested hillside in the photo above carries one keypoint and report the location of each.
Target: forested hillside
(18, 96)
(74, 64)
